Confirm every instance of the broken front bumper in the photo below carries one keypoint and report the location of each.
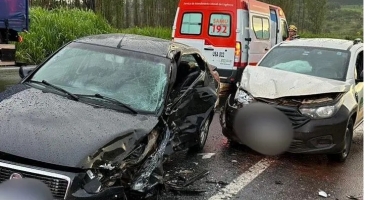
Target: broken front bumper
(324, 136)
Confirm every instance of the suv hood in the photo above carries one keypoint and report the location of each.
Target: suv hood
(50, 128)
(263, 82)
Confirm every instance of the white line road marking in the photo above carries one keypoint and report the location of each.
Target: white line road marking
(243, 180)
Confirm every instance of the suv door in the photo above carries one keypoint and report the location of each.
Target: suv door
(359, 88)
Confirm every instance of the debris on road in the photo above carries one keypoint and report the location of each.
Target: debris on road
(217, 182)
(234, 161)
(323, 194)
(278, 182)
(185, 172)
(353, 197)
(181, 185)
(206, 155)
(196, 177)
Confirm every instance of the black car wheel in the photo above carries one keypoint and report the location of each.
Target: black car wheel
(202, 136)
(341, 157)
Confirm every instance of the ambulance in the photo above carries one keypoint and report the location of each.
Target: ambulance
(230, 33)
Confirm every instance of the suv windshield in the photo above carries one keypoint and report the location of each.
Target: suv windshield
(319, 62)
(135, 79)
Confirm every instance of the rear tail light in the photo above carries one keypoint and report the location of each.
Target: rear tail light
(238, 53)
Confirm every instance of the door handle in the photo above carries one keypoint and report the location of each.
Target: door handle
(209, 49)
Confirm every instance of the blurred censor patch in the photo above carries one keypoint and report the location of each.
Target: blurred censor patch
(263, 128)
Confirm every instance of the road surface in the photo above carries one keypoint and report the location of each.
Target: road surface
(249, 175)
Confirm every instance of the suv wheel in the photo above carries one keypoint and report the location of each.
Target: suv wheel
(341, 157)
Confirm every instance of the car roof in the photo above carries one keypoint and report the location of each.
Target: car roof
(139, 43)
(340, 44)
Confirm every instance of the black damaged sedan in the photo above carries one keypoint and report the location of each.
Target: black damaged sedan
(99, 117)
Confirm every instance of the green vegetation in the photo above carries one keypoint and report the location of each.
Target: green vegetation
(50, 30)
(345, 20)
(160, 32)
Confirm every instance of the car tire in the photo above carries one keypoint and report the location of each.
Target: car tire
(202, 136)
(342, 157)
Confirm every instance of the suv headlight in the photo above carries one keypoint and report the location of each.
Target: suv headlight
(321, 112)
(243, 97)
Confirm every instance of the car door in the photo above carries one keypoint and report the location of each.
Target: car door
(359, 88)
(196, 99)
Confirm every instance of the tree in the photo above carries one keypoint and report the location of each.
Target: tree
(316, 10)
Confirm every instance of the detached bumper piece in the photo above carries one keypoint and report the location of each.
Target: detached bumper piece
(7, 54)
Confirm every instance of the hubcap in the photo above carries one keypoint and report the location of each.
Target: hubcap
(203, 132)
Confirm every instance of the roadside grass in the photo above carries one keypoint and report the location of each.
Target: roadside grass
(160, 32)
(345, 22)
(356, 8)
(51, 29)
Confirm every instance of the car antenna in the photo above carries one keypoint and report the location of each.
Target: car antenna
(120, 42)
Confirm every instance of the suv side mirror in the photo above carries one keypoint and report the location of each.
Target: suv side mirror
(25, 70)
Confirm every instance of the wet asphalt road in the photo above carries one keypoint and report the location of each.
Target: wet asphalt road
(288, 176)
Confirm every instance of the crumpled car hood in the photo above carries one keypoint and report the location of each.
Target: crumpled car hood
(50, 128)
(263, 82)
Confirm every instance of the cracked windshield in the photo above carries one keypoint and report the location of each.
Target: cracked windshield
(136, 80)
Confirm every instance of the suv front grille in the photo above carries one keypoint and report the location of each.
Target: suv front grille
(58, 184)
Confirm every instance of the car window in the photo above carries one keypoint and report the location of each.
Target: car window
(188, 70)
(320, 62)
(284, 29)
(136, 79)
(191, 24)
(219, 25)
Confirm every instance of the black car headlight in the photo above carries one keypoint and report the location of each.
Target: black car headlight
(243, 97)
(321, 112)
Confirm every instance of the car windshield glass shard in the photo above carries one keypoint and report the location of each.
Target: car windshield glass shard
(114, 101)
(45, 83)
(133, 78)
(319, 62)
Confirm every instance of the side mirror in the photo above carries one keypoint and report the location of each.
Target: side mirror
(25, 70)
(361, 78)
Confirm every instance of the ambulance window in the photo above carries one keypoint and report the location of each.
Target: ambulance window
(261, 27)
(191, 24)
(284, 30)
(219, 25)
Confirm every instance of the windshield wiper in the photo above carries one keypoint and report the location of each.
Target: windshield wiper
(43, 82)
(114, 101)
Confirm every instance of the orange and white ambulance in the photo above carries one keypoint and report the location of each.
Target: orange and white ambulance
(231, 33)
